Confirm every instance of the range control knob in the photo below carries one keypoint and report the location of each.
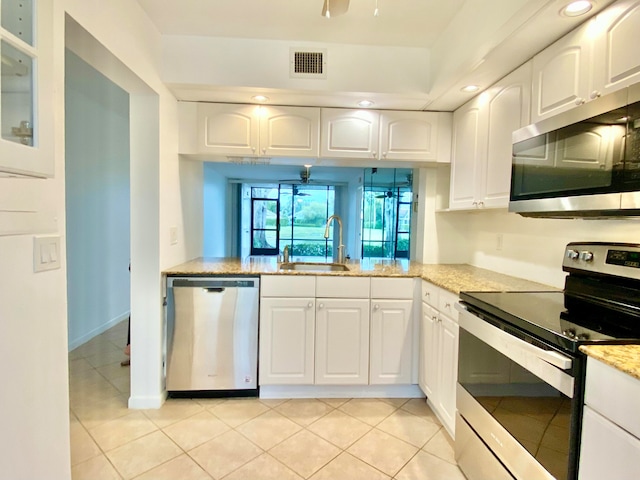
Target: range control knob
(573, 254)
(570, 332)
(584, 336)
(586, 256)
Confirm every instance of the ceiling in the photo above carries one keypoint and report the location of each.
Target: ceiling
(465, 41)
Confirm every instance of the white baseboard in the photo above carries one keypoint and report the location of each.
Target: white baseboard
(75, 343)
(146, 402)
(340, 391)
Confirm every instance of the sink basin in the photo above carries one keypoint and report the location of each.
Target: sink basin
(315, 267)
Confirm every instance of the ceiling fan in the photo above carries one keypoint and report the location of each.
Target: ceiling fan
(305, 178)
(295, 192)
(333, 8)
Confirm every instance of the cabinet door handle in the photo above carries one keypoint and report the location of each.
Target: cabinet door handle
(481, 204)
(434, 318)
(580, 101)
(321, 305)
(264, 150)
(373, 154)
(595, 94)
(384, 154)
(253, 149)
(427, 294)
(310, 305)
(376, 307)
(475, 204)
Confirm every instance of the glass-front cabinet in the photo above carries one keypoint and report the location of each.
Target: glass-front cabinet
(26, 88)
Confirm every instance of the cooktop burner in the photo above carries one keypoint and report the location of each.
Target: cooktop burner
(543, 314)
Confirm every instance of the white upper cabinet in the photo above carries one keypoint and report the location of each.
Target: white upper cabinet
(616, 63)
(249, 130)
(349, 133)
(26, 93)
(415, 136)
(561, 75)
(482, 145)
(289, 131)
(386, 135)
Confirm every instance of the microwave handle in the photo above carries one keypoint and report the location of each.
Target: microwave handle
(554, 358)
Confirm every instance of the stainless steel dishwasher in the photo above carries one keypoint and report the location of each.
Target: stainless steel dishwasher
(212, 336)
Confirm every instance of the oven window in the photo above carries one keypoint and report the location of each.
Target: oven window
(537, 415)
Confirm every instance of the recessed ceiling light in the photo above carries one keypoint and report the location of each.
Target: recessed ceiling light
(365, 103)
(470, 88)
(575, 9)
(260, 98)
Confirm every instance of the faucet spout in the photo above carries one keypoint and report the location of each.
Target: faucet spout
(340, 258)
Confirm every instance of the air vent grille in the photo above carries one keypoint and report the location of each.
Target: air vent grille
(308, 64)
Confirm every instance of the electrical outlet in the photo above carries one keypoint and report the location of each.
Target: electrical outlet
(499, 240)
(173, 235)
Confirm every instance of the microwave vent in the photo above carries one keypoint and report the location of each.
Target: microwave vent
(308, 64)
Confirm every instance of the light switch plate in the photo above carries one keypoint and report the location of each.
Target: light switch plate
(46, 253)
(173, 235)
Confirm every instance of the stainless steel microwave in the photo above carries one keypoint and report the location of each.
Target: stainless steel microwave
(582, 163)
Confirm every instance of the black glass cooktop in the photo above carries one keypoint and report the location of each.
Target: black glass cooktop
(543, 315)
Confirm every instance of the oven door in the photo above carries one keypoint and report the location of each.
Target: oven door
(518, 395)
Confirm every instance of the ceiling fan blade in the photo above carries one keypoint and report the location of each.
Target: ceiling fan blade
(335, 7)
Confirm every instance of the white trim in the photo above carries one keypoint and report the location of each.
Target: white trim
(145, 402)
(73, 344)
(340, 391)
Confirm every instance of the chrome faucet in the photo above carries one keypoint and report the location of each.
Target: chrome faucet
(285, 254)
(326, 235)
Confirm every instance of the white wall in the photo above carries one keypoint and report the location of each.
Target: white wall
(97, 201)
(215, 213)
(34, 441)
(533, 248)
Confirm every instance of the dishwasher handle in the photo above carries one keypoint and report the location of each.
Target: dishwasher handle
(214, 284)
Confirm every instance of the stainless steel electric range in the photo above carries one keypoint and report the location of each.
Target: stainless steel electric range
(520, 372)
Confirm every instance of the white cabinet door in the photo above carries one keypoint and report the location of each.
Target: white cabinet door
(228, 129)
(391, 348)
(561, 75)
(429, 351)
(409, 136)
(27, 89)
(448, 371)
(289, 131)
(465, 155)
(606, 450)
(349, 133)
(616, 63)
(342, 341)
(287, 331)
(508, 109)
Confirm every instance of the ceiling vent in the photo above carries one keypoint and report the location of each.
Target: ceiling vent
(308, 63)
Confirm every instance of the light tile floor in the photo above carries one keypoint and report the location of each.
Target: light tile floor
(243, 439)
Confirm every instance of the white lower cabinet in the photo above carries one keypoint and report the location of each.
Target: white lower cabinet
(339, 336)
(439, 353)
(342, 341)
(391, 341)
(287, 341)
(610, 444)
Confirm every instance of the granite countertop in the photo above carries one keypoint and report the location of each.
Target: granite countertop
(625, 358)
(452, 277)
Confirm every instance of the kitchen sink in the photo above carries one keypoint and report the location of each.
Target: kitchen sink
(315, 267)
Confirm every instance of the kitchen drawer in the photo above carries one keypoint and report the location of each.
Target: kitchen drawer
(291, 286)
(392, 288)
(614, 395)
(602, 440)
(446, 304)
(342, 287)
(430, 293)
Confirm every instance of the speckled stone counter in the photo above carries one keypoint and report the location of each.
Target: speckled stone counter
(625, 358)
(455, 278)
